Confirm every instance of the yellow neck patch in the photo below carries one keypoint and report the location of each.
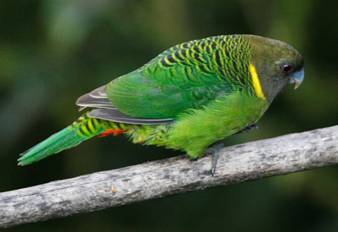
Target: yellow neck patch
(256, 82)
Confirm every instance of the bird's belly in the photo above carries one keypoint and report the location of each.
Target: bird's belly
(195, 131)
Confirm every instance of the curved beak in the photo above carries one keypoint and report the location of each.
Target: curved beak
(297, 78)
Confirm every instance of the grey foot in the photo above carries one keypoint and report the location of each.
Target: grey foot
(214, 151)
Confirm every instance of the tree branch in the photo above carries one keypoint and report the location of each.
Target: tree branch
(277, 156)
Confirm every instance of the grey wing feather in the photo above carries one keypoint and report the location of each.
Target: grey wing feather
(95, 99)
(99, 92)
(116, 116)
(104, 109)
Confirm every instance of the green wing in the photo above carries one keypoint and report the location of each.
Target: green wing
(184, 77)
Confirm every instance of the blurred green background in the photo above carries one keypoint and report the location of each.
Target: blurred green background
(51, 52)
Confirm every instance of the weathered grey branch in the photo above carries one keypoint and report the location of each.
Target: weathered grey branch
(277, 156)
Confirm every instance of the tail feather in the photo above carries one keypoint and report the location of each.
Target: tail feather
(81, 130)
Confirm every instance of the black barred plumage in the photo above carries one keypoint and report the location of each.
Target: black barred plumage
(217, 56)
(86, 126)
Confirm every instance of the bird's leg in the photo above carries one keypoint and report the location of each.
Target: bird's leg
(214, 151)
(248, 128)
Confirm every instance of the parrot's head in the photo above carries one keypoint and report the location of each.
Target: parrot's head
(276, 64)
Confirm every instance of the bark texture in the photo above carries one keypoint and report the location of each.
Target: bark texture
(249, 161)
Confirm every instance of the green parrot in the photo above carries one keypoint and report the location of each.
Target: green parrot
(187, 98)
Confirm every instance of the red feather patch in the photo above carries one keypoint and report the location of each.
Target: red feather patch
(114, 132)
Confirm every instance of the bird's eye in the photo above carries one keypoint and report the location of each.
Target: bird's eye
(287, 68)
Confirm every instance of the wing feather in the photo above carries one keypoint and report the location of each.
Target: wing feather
(95, 99)
(104, 109)
(187, 76)
(116, 116)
